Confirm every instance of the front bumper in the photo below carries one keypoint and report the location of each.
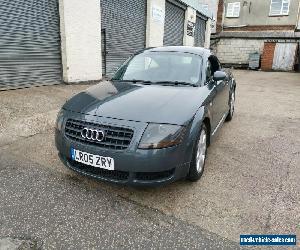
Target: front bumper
(128, 178)
(133, 166)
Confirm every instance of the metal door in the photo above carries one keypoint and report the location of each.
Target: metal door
(174, 24)
(29, 43)
(124, 25)
(284, 56)
(200, 32)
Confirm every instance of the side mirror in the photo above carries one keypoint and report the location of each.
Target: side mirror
(219, 76)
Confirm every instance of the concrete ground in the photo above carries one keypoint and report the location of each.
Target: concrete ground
(250, 185)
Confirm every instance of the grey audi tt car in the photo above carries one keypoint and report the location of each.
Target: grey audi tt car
(152, 122)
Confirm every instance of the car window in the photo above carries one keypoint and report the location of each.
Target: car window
(215, 65)
(208, 71)
(162, 66)
(152, 63)
(138, 64)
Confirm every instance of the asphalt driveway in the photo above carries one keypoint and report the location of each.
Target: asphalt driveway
(250, 185)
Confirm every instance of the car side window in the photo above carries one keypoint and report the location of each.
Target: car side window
(208, 71)
(215, 65)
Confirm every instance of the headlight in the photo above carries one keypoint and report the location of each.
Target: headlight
(161, 136)
(59, 120)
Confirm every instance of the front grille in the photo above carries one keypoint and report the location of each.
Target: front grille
(117, 138)
(104, 173)
(151, 176)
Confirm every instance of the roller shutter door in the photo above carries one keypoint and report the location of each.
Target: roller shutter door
(29, 43)
(174, 25)
(103, 50)
(124, 27)
(200, 32)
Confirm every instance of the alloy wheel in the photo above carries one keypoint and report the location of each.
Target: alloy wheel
(201, 151)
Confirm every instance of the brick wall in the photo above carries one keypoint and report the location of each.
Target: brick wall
(234, 51)
(267, 56)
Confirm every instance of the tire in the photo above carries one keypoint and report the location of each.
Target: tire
(198, 163)
(231, 106)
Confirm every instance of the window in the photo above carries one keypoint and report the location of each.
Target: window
(233, 9)
(212, 66)
(162, 66)
(279, 7)
(208, 71)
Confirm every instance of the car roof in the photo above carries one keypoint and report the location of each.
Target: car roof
(185, 49)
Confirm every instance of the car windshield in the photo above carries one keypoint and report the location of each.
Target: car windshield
(162, 67)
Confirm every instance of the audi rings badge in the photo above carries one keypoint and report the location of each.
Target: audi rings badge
(92, 134)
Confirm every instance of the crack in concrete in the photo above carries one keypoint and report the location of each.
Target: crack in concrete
(23, 137)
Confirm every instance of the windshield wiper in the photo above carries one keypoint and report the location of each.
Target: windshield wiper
(136, 81)
(160, 82)
(177, 83)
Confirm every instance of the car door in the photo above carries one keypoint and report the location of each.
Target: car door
(222, 87)
(214, 98)
(224, 93)
(219, 101)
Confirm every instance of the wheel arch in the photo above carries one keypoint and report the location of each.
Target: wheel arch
(203, 115)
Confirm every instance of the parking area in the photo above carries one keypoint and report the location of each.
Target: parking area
(250, 184)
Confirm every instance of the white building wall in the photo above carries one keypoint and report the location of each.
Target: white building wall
(155, 23)
(190, 16)
(80, 24)
(208, 34)
(80, 40)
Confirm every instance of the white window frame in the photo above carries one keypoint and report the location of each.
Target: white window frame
(281, 10)
(231, 7)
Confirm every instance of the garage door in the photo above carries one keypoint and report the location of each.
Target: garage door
(174, 24)
(124, 27)
(284, 56)
(200, 31)
(29, 43)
